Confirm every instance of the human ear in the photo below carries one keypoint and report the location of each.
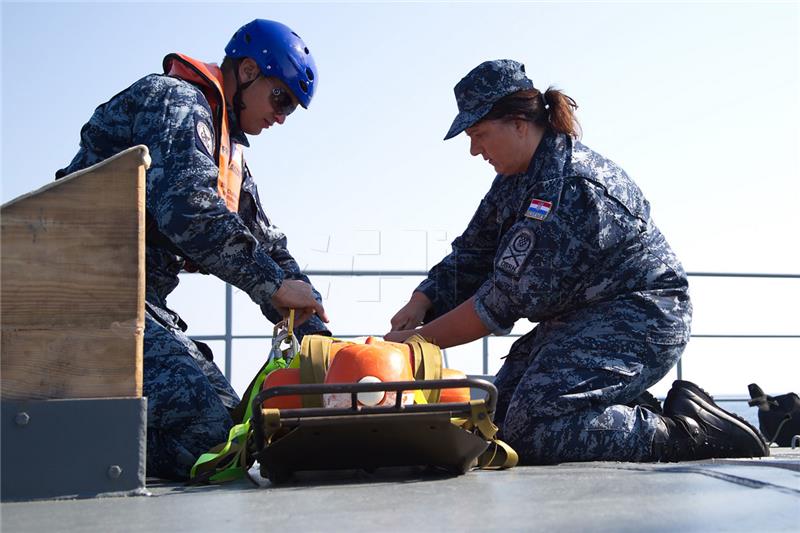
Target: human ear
(521, 127)
(248, 70)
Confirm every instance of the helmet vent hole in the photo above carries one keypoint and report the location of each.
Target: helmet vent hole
(247, 38)
(293, 33)
(306, 50)
(303, 86)
(309, 74)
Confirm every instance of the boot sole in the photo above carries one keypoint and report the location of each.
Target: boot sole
(703, 399)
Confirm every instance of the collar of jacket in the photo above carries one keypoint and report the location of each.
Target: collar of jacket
(550, 159)
(236, 133)
(209, 79)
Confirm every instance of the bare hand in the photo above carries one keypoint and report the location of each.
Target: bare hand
(399, 335)
(411, 314)
(296, 294)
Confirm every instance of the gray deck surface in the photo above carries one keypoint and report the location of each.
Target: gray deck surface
(723, 495)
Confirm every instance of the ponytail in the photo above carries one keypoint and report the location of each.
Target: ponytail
(559, 112)
(552, 110)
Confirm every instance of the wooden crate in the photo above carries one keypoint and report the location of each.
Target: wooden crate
(73, 284)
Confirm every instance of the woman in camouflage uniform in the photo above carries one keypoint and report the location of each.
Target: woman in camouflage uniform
(564, 238)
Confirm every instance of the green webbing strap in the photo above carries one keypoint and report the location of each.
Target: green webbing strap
(222, 462)
(241, 412)
(229, 460)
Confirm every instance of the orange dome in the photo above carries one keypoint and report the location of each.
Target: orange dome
(283, 376)
(454, 395)
(368, 363)
(403, 347)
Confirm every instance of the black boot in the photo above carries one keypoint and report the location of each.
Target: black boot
(680, 440)
(697, 428)
(649, 401)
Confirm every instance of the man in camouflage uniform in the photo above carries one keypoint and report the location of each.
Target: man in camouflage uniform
(178, 117)
(566, 240)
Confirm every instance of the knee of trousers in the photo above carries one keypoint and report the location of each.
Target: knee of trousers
(570, 380)
(612, 433)
(171, 454)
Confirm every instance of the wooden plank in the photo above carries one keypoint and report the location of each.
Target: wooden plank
(73, 284)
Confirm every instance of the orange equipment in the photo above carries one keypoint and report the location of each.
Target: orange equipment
(368, 363)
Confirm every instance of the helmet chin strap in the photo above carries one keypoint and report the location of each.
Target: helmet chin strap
(238, 105)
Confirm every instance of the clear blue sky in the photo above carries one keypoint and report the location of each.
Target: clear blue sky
(697, 101)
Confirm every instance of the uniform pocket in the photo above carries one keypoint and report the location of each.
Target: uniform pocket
(669, 337)
(627, 369)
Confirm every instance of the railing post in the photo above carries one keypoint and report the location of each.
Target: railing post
(228, 331)
(228, 336)
(485, 343)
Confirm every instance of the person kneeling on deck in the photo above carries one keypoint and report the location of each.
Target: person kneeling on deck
(203, 212)
(564, 238)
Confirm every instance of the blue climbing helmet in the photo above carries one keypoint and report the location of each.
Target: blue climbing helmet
(279, 52)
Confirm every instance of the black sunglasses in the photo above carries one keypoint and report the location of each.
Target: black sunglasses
(282, 102)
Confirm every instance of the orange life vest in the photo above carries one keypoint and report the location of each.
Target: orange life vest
(208, 77)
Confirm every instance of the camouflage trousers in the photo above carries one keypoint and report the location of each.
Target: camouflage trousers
(563, 390)
(188, 399)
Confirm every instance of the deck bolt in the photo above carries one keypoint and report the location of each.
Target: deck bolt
(114, 471)
(22, 418)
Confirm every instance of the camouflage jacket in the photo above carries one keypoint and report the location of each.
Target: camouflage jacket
(186, 218)
(571, 233)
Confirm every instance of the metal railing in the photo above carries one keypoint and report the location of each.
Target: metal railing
(228, 337)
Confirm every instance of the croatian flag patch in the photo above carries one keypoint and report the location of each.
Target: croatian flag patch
(538, 209)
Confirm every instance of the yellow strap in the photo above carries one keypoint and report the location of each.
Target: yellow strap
(314, 355)
(498, 456)
(419, 397)
(481, 420)
(427, 364)
(290, 326)
(270, 423)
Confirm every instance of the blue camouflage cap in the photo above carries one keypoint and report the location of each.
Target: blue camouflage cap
(479, 90)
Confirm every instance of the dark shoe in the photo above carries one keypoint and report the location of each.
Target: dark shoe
(778, 416)
(698, 428)
(648, 401)
(681, 440)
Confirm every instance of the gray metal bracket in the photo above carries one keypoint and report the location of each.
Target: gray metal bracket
(72, 448)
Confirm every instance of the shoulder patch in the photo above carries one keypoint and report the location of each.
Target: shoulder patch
(539, 209)
(205, 139)
(513, 257)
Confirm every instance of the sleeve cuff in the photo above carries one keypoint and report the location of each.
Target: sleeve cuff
(312, 326)
(428, 288)
(487, 300)
(264, 291)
